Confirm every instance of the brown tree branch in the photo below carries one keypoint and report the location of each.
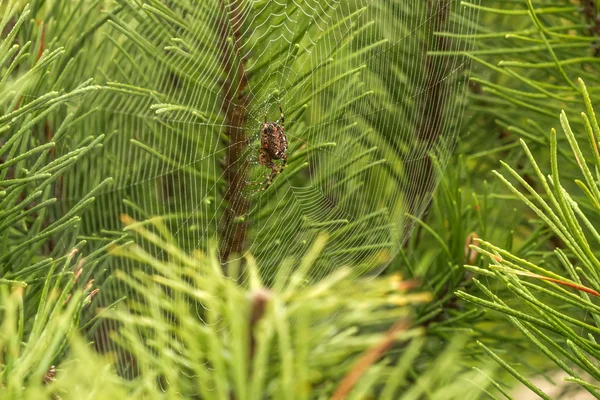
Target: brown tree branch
(431, 102)
(233, 229)
(589, 11)
(431, 105)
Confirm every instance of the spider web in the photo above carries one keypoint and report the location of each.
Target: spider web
(372, 113)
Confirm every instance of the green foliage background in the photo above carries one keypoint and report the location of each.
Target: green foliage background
(148, 307)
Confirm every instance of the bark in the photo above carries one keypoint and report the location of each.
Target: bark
(233, 230)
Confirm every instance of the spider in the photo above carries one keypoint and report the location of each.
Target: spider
(273, 146)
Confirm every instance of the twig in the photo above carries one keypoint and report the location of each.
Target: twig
(234, 227)
(260, 299)
(431, 106)
(368, 359)
(589, 10)
(563, 282)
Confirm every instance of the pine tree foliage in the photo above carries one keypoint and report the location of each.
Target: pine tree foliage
(144, 98)
(529, 56)
(107, 107)
(531, 53)
(552, 300)
(173, 91)
(207, 336)
(37, 229)
(44, 258)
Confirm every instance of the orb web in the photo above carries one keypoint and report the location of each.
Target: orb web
(372, 112)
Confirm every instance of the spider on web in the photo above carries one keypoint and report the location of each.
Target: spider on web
(273, 146)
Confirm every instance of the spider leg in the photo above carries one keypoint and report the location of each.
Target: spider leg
(267, 182)
(283, 163)
(282, 117)
(263, 158)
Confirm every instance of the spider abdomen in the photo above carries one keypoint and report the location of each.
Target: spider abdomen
(273, 140)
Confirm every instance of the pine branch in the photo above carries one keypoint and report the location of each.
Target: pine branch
(561, 300)
(589, 9)
(235, 104)
(431, 106)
